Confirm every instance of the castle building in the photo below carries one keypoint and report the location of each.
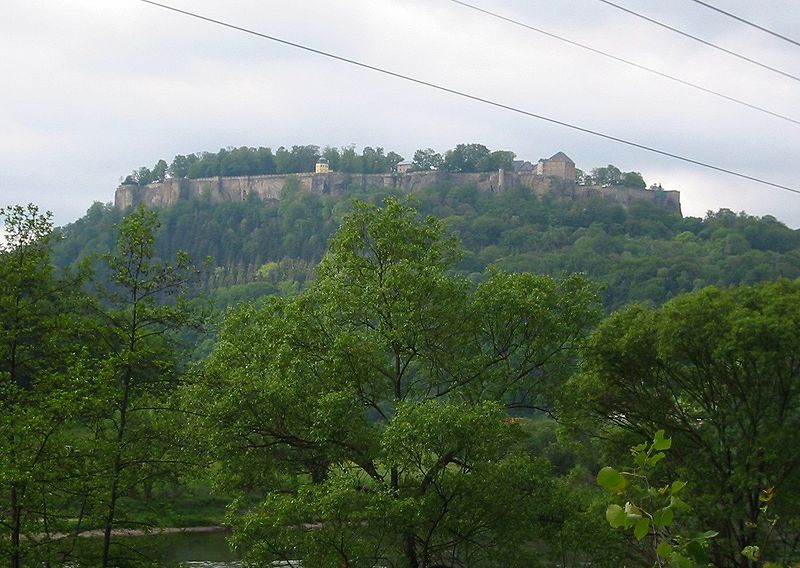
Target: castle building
(404, 166)
(559, 165)
(523, 166)
(323, 166)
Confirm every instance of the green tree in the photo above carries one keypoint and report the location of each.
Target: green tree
(427, 159)
(366, 420)
(608, 175)
(303, 159)
(350, 161)
(282, 160)
(392, 159)
(265, 160)
(499, 159)
(41, 391)
(718, 369)
(145, 306)
(465, 158)
(373, 160)
(144, 176)
(333, 156)
(207, 165)
(159, 172)
(180, 165)
(633, 179)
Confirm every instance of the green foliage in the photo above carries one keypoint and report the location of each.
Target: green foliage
(143, 307)
(497, 160)
(426, 160)
(366, 420)
(753, 551)
(649, 511)
(611, 175)
(41, 358)
(380, 391)
(371, 160)
(633, 179)
(180, 165)
(608, 175)
(717, 369)
(245, 161)
(465, 158)
(145, 175)
(82, 383)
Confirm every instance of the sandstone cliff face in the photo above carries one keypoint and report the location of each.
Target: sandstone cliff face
(269, 187)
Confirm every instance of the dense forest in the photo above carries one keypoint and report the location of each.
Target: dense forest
(451, 379)
(642, 253)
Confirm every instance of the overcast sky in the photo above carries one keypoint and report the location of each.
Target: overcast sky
(92, 89)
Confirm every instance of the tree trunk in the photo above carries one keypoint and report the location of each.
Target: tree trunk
(411, 551)
(109, 520)
(408, 537)
(115, 473)
(16, 528)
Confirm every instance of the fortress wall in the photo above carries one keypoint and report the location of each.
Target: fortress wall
(124, 197)
(162, 194)
(269, 187)
(266, 187)
(625, 196)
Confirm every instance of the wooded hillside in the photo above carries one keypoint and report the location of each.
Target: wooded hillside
(642, 253)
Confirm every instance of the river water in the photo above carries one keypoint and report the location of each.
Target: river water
(174, 550)
(193, 551)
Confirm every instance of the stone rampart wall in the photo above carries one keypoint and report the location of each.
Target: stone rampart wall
(269, 187)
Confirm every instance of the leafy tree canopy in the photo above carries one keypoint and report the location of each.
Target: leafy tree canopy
(367, 419)
(245, 161)
(41, 390)
(719, 370)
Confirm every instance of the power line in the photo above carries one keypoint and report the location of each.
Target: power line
(701, 40)
(471, 97)
(748, 22)
(626, 61)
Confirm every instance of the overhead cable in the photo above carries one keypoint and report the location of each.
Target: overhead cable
(471, 97)
(701, 40)
(748, 22)
(625, 61)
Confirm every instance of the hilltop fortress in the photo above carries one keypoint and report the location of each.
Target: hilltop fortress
(553, 177)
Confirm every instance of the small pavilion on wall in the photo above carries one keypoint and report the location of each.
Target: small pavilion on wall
(322, 166)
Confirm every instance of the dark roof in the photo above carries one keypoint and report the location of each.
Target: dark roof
(560, 157)
(522, 166)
